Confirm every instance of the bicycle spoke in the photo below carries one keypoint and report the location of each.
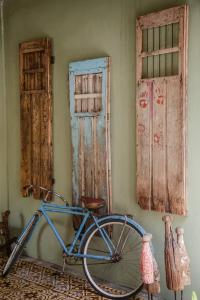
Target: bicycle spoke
(120, 237)
(121, 275)
(122, 248)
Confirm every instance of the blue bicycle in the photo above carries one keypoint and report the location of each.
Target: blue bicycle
(109, 247)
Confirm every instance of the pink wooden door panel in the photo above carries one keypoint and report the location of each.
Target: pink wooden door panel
(161, 110)
(159, 144)
(144, 151)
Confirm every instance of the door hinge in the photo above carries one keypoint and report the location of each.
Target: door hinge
(52, 60)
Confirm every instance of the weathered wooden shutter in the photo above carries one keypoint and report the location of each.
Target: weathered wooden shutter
(161, 110)
(90, 123)
(36, 114)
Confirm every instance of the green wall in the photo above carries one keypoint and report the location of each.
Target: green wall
(3, 123)
(82, 30)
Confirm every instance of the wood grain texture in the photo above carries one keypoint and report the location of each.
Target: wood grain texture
(161, 110)
(159, 142)
(26, 144)
(36, 114)
(90, 120)
(144, 150)
(174, 279)
(176, 186)
(161, 18)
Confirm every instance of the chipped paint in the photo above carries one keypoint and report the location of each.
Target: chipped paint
(90, 122)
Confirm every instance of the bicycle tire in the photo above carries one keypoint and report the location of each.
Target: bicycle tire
(20, 244)
(110, 292)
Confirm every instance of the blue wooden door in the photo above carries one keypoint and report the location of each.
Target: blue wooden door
(90, 126)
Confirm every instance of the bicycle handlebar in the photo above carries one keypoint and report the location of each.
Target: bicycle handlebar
(31, 187)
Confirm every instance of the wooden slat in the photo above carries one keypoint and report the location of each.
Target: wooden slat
(175, 149)
(98, 90)
(89, 95)
(26, 146)
(95, 160)
(164, 17)
(81, 166)
(39, 70)
(160, 51)
(33, 50)
(138, 51)
(88, 157)
(46, 151)
(144, 153)
(159, 141)
(84, 91)
(36, 142)
(108, 142)
(30, 92)
(100, 163)
(78, 89)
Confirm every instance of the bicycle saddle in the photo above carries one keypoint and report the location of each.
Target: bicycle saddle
(92, 203)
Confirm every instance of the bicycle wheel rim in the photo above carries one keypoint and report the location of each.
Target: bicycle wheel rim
(20, 244)
(119, 279)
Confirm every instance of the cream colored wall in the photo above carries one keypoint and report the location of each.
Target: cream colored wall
(89, 29)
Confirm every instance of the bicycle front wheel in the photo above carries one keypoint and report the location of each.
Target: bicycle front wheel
(20, 244)
(119, 277)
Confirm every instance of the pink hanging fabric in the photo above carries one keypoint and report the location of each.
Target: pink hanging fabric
(146, 261)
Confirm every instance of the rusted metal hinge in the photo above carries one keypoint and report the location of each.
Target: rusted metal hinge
(52, 60)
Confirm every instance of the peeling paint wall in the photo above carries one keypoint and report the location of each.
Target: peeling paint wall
(83, 30)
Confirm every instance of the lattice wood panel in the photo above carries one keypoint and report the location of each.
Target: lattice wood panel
(36, 114)
(88, 93)
(161, 110)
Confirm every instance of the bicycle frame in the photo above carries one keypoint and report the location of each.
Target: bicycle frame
(46, 208)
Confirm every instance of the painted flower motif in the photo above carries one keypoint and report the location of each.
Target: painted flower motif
(143, 103)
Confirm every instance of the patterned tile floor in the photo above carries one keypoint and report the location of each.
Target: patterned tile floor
(36, 280)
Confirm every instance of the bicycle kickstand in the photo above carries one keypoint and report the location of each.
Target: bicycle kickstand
(64, 264)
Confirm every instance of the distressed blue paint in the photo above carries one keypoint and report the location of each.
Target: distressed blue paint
(88, 132)
(87, 65)
(104, 91)
(93, 66)
(72, 91)
(75, 139)
(87, 71)
(75, 148)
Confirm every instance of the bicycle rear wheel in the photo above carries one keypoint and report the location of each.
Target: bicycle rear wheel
(118, 278)
(20, 244)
